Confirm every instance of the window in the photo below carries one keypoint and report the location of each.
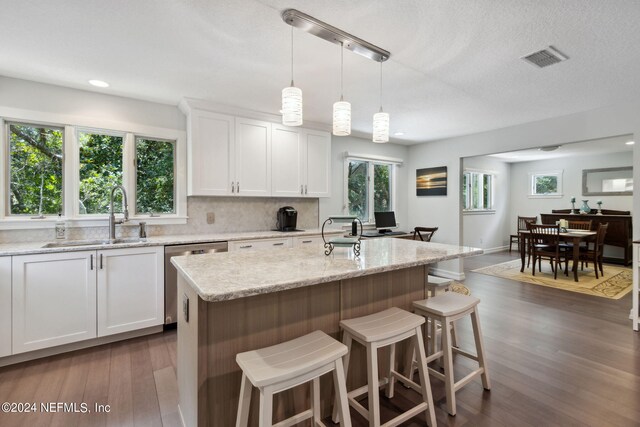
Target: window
(477, 191)
(35, 170)
(155, 176)
(38, 175)
(100, 170)
(545, 184)
(369, 188)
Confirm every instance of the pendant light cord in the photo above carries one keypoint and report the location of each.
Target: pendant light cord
(380, 86)
(292, 55)
(341, 70)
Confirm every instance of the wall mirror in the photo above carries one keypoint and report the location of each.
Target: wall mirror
(608, 181)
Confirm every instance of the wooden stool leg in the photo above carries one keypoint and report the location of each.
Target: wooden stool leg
(410, 356)
(477, 335)
(433, 338)
(425, 384)
(448, 366)
(242, 419)
(392, 367)
(340, 384)
(372, 377)
(315, 400)
(266, 408)
(347, 341)
(454, 335)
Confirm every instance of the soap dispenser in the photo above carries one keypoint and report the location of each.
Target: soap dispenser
(61, 228)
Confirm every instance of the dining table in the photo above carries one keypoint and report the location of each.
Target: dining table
(573, 236)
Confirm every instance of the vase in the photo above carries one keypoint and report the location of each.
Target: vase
(585, 209)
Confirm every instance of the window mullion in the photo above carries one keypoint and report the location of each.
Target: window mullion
(71, 175)
(129, 170)
(370, 190)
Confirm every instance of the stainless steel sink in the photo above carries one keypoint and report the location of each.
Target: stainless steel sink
(73, 243)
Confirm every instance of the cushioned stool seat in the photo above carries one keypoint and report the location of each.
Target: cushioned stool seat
(286, 365)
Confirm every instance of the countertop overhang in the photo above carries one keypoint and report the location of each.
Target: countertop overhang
(232, 275)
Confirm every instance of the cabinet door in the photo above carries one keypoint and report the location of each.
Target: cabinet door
(54, 299)
(259, 244)
(130, 289)
(286, 161)
(252, 152)
(210, 150)
(318, 164)
(5, 306)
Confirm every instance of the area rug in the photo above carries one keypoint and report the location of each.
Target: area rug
(615, 284)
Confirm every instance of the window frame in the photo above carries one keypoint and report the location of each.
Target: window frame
(371, 162)
(532, 184)
(467, 200)
(71, 170)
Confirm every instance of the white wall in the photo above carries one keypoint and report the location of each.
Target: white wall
(483, 230)
(340, 145)
(572, 185)
(600, 123)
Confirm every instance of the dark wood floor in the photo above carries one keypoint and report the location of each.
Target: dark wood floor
(556, 358)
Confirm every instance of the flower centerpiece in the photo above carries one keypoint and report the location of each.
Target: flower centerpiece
(599, 203)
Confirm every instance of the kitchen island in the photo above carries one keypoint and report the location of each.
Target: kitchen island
(234, 302)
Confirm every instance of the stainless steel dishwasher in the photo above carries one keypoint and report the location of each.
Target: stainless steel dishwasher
(171, 274)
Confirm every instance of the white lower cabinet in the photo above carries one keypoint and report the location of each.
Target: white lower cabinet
(61, 298)
(306, 241)
(54, 299)
(259, 244)
(5, 306)
(130, 289)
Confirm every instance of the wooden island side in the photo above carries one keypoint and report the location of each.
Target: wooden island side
(244, 301)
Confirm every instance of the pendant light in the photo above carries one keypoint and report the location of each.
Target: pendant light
(381, 120)
(292, 99)
(342, 108)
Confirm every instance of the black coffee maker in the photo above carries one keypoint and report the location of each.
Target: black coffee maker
(286, 219)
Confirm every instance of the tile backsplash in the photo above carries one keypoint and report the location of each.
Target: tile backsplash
(231, 214)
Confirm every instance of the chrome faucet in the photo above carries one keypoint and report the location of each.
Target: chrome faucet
(112, 217)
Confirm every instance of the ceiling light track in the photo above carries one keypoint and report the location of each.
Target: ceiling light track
(335, 35)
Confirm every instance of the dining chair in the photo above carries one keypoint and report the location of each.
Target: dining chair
(522, 225)
(579, 225)
(545, 243)
(428, 233)
(595, 254)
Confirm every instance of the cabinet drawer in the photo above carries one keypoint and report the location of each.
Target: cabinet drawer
(259, 245)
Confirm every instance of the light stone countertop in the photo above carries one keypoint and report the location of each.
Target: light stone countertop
(8, 249)
(231, 275)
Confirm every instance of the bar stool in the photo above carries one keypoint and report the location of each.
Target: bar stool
(381, 329)
(286, 365)
(435, 286)
(446, 309)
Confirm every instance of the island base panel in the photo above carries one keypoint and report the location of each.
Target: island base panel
(209, 378)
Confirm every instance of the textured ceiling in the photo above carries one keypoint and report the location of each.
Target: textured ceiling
(454, 69)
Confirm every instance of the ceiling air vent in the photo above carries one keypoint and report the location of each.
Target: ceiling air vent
(545, 57)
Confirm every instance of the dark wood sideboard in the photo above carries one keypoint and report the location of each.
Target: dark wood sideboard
(619, 232)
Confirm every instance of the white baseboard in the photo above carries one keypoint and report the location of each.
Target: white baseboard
(496, 249)
(455, 275)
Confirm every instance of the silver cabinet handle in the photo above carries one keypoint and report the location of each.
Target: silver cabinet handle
(246, 246)
(307, 241)
(301, 190)
(100, 261)
(91, 262)
(278, 244)
(238, 187)
(305, 189)
(233, 187)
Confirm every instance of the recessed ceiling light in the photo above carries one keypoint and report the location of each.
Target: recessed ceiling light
(98, 83)
(630, 142)
(398, 134)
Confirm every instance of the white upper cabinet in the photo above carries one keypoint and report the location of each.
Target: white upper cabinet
(287, 153)
(54, 299)
(301, 162)
(237, 156)
(252, 158)
(5, 306)
(317, 164)
(210, 147)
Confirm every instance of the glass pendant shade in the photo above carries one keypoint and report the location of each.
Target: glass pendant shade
(292, 106)
(381, 127)
(342, 118)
